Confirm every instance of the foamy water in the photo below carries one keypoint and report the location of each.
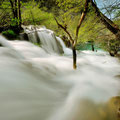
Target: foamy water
(43, 86)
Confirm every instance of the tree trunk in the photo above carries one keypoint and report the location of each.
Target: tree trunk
(19, 14)
(84, 13)
(74, 57)
(74, 41)
(16, 9)
(93, 49)
(12, 7)
(110, 25)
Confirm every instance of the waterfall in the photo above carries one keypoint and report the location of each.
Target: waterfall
(7, 44)
(66, 50)
(36, 84)
(49, 41)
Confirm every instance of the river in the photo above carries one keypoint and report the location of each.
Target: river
(38, 83)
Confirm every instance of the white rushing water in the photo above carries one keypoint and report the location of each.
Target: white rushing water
(36, 84)
(47, 38)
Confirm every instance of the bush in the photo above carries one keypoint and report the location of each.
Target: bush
(33, 15)
(9, 34)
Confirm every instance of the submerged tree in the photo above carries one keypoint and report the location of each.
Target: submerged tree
(109, 24)
(73, 40)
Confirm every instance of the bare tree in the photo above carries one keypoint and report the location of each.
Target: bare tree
(19, 13)
(71, 39)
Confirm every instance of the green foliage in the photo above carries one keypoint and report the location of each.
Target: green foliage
(69, 15)
(47, 4)
(91, 30)
(5, 14)
(9, 34)
(8, 21)
(117, 14)
(71, 4)
(14, 22)
(31, 14)
(90, 27)
(39, 45)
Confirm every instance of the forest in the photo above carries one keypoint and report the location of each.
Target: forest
(60, 59)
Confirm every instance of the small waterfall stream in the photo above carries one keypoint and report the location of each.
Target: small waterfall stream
(49, 41)
(36, 84)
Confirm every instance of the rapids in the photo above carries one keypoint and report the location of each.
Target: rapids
(38, 83)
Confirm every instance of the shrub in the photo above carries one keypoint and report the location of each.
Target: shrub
(9, 34)
(33, 15)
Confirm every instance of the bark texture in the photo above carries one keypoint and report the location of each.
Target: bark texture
(15, 7)
(110, 25)
(74, 58)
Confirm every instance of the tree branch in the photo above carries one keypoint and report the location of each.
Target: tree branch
(65, 29)
(81, 19)
(12, 7)
(107, 22)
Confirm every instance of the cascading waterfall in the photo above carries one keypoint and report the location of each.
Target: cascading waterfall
(43, 86)
(47, 38)
(66, 50)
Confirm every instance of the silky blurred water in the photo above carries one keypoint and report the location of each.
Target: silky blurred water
(39, 85)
